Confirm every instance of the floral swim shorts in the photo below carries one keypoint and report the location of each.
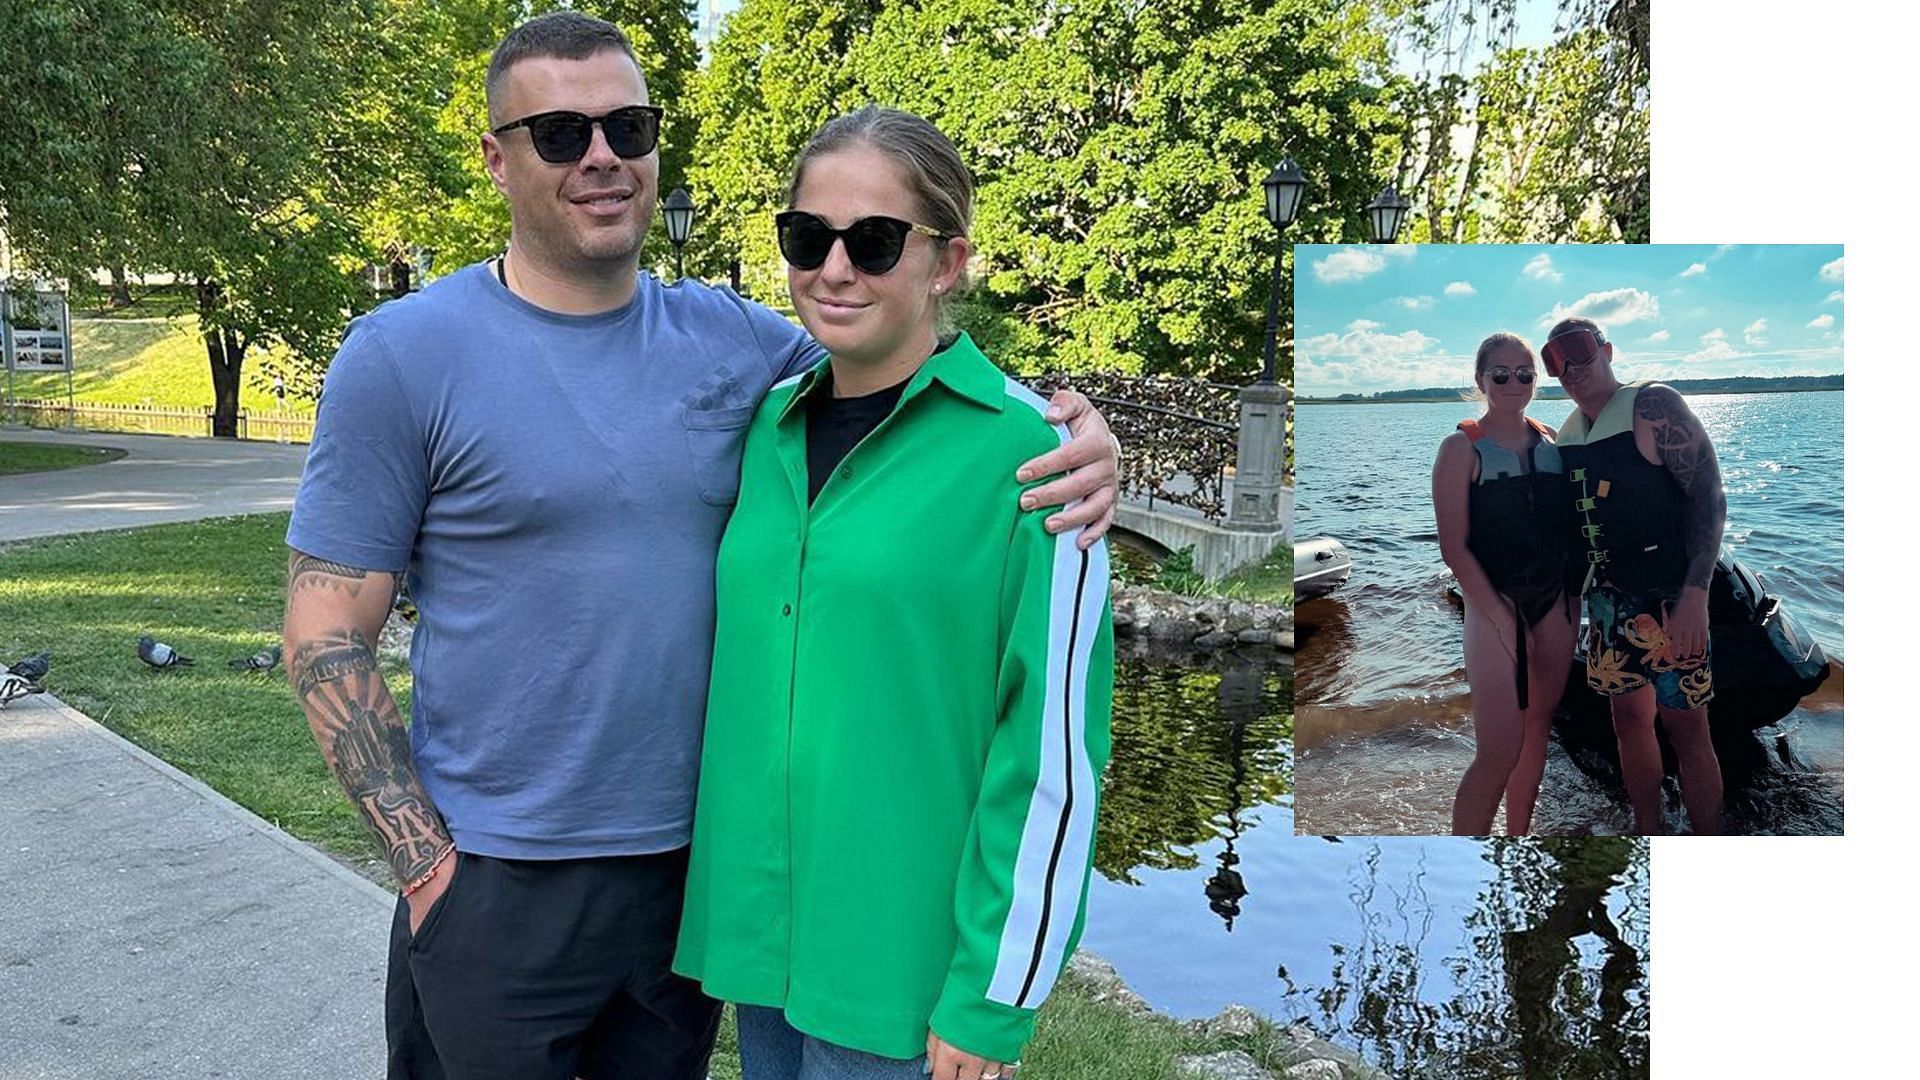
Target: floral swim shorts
(1627, 648)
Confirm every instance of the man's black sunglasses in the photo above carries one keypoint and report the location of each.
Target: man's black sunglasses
(562, 137)
(873, 244)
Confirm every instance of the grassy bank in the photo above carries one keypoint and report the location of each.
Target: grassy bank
(22, 457)
(143, 361)
(213, 590)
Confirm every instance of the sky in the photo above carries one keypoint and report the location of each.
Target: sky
(1402, 316)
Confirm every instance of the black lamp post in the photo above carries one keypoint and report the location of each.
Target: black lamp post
(1386, 213)
(1284, 186)
(679, 213)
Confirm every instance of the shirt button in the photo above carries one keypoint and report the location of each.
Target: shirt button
(846, 472)
(786, 609)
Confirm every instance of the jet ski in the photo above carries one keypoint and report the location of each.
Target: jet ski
(1320, 566)
(1763, 665)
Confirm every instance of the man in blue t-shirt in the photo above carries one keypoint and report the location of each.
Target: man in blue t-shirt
(546, 446)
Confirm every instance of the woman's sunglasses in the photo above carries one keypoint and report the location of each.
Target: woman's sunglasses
(873, 244)
(562, 137)
(1500, 375)
(1571, 349)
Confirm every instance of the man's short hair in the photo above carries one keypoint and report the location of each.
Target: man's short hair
(563, 35)
(1577, 322)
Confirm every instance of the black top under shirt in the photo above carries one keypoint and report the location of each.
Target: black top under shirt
(835, 425)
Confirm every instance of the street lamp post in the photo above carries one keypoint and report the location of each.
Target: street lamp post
(1260, 458)
(1284, 186)
(678, 210)
(1386, 213)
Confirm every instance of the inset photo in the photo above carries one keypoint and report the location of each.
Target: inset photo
(1569, 525)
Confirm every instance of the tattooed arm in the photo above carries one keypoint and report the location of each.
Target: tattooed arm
(334, 614)
(1688, 455)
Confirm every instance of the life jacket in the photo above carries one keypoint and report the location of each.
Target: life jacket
(1519, 521)
(1631, 513)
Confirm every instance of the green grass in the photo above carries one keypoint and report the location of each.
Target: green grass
(149, 361)
(19, 457)
(1269, 581)
(213, 590)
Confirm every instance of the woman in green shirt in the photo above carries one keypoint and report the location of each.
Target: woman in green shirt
(912, 678)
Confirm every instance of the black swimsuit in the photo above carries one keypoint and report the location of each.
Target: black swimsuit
(1518, 521)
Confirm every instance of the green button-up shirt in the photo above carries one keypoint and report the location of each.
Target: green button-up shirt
(908, 720)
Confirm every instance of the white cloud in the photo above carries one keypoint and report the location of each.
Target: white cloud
(1357, 263)
(1540, 268)
(1715, 334)
(1695, 270)
(1833, 270)
(1614, 307)
(1833, 297)
(1362, 361)
(1658, 335)
(1414, 303)
(1756, 332)
(1717, 349)
(1821, 323)
(1363, 324)
(1460, 288)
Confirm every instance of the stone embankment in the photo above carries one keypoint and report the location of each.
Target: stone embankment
(1166, 620)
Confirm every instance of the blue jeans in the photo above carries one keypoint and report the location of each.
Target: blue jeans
(772, 1049)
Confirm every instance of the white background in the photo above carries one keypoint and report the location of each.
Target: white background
(1796, 123)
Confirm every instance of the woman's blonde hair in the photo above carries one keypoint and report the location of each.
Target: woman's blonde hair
(941, 185)
(1487, 348)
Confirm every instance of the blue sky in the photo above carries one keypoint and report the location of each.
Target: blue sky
(1402, 316)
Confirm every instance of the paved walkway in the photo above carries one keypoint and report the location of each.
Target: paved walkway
(151, 928)
(163, 478)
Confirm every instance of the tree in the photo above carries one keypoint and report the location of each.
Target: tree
(1517, 144)
(1118, 148)
(225, 143)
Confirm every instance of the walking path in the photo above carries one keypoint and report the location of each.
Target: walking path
(153, 928)
(149, 926)
(163, 478)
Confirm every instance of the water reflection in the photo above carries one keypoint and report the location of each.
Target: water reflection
(1430, 956)
(1550, 981)
(1193, 749)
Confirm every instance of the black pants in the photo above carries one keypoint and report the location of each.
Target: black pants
(534, 969)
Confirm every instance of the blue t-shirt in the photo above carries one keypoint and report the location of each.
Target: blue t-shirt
(555, 487)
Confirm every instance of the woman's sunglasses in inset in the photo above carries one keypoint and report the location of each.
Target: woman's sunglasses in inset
(1501, 374)
(561, 137)
(873, 243)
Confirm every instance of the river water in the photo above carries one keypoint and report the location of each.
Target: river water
(1434, 956)
(1384, 730)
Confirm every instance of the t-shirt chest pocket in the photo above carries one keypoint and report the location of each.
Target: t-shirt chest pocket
(716, 434)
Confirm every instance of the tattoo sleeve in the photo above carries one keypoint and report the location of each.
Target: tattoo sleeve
(1690, 460)
(337, 680)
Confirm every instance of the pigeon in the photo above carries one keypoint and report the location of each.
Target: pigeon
(160, 655)
(33, 668)
(264, 660)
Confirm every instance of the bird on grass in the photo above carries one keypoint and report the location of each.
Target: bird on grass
(264, 660)
(23, 677)
(161, 655)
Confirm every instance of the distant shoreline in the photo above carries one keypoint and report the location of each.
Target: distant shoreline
(1461, 398)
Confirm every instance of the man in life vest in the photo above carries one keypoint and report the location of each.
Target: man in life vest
(1650, 511)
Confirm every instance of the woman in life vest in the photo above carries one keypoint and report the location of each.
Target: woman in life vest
(1503, 510)
(912, 678)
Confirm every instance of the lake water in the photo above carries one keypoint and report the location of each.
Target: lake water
(1442, 956)
(1384, 729)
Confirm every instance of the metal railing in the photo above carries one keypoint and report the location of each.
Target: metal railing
(1178, 437)
(154, 419)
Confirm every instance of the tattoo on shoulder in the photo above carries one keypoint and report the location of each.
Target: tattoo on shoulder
(1677, 434)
